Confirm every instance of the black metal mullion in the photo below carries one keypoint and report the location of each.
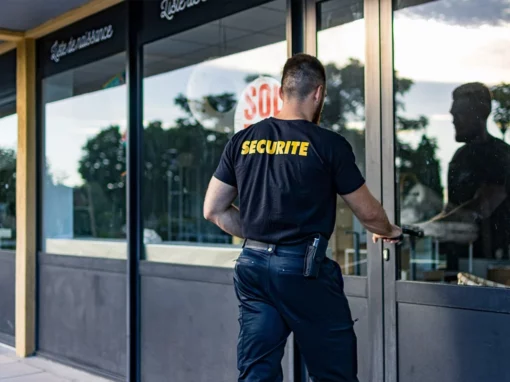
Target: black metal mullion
(134, 80)
(296, 9)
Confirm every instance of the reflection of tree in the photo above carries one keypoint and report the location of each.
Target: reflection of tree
(210, 110)
(179, 161)
(7, 188)
(501, 97)
(345, 105)
(100, 203)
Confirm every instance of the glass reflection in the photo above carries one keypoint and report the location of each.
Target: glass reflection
(8, 147)
(453, 164)
(344, 112)
(84, 195)
(200, 87)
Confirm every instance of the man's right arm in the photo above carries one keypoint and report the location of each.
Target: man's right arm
(350, 184)
(371, 214)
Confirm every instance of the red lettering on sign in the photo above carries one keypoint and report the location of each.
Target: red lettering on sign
(252, 110)
(276, 99)
(261, 100)
(264, 101)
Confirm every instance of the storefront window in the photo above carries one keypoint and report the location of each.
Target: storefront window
(84, 195)
(200, 87)
(8, 147)
(453, 162)
(341, 48)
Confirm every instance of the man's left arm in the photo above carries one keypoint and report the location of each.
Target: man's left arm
(218, 207)
(222, 192)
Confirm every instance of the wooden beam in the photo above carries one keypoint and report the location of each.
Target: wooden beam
(10, 35)
(7, 47)
(70, 17)
(25, 199)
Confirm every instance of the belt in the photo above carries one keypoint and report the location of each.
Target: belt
(258, 245)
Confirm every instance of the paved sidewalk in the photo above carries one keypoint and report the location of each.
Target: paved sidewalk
(37, 369)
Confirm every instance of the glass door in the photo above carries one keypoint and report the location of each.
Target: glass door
(446, 174)
(346, 32)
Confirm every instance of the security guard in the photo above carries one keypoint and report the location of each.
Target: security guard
(287, 172)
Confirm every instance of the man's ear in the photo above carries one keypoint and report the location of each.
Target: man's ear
(317, 96)
(281, 92)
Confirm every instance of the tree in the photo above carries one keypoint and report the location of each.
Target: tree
(8, 187)
(103, 196)
(501, 97)
(345, 104)
(179, 160)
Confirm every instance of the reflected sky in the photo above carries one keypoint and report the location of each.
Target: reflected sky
(9, 132)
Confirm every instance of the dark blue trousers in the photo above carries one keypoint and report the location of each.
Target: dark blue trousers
(275, 299)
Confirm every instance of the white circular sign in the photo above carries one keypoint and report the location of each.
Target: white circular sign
(209, 79)
(259, 100)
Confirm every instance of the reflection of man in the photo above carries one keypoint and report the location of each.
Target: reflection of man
(478, 178)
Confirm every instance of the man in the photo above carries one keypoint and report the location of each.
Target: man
(287, 172)
(478, 182)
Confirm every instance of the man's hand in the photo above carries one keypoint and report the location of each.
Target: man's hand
(395, 237)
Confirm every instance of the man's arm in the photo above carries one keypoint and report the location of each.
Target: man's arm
(486, 200)
(218, 207)
(372, 215)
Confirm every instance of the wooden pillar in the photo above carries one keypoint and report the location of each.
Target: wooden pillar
(26, 199)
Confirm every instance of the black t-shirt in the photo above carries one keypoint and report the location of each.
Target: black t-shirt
(288, 174)
(474, 165)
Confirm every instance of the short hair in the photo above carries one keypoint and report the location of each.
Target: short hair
(302, 74)
(478, 95)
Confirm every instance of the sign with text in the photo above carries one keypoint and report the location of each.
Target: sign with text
(169, 8)
(163, 18)
(91, 39)
(259, 100)
(61, 49)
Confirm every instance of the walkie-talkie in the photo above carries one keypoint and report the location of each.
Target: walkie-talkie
(314, 257)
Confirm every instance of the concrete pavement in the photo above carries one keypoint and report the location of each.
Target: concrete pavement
(37, 369)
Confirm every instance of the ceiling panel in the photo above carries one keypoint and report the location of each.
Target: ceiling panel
(27, 14)
(251, 20)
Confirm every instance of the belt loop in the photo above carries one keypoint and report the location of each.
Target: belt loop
(244, 243)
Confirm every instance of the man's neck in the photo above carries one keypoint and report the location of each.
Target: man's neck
(484, 136)
(293, 113)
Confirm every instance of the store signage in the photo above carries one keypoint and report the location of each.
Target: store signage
(169, 8)
(61, 49)
(259, 100)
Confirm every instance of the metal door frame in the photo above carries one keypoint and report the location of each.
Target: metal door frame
(370, 286)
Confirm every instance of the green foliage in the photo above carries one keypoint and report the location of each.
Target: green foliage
(180, 159)
(501, 97)
(103, 196)
(8, 186)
